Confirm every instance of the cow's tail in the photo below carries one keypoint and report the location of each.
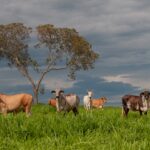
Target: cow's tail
(125, 100)
(124, 103)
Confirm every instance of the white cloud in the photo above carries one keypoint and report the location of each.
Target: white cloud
(129, 79)
(54, 83)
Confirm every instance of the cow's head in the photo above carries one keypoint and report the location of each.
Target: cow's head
(57, 93)
(90, 93)
(145, 95)
(104, 99)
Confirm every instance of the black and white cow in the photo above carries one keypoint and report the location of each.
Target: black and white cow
(66, 102)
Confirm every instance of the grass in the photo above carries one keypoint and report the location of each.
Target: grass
(95, 129)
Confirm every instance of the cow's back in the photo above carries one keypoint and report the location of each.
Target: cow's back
(15, 101)
(98, 102)
(72, 100)
(132, 102)
(130, 99)
(86, 99)
(26, 98)
(52, 102)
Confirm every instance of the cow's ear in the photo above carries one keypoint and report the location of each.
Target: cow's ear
(142, 93)
(53, 91)
(105, 98)
(61, 91)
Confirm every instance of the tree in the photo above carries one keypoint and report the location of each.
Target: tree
(14, 47)
(66, 50)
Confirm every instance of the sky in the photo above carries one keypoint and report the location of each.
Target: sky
(119, 30)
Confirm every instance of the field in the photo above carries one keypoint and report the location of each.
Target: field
(92, 130)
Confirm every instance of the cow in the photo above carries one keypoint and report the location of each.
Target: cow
(87, 100)
(12, 103)
(136, 103)
(99, 102)
(52, 102)
(67, 102)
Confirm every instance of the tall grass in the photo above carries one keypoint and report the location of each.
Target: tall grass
(95, 129)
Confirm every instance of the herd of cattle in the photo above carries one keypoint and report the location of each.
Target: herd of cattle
(70, 102)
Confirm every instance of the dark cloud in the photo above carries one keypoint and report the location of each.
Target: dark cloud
(13, 89)
(102, 88)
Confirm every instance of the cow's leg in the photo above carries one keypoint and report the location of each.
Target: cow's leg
(87, 107)
(140, 112)
(66, 110)
(65, 113)
(125, 111)
(15, 112)
(5, 112)
(27, 109)
(90, 104)
(75, 111)
(57, 106)
(145, 113)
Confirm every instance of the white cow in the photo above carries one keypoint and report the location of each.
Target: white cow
(87, 100)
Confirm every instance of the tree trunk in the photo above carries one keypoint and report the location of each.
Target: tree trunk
(35, 96)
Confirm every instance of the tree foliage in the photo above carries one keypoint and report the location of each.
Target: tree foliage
(67, 46)
(13, 44)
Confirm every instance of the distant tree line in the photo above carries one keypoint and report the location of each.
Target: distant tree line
(66, 50)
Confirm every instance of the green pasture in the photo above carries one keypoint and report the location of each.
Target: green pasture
(90, 130)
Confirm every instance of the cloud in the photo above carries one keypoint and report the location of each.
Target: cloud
(53, 83)
(128, 79)
(113, 90)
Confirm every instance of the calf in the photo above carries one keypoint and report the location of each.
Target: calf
(52, 102)
(98, 103)
(136, 103)
(87, 100)
(12, 103)
(66, 103)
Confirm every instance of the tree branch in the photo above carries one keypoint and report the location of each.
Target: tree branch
(24, 71)
(48, 69)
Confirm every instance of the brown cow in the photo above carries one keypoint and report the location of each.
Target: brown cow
(52, 102)
(12, 103)
(98, 103)
(136, 103)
